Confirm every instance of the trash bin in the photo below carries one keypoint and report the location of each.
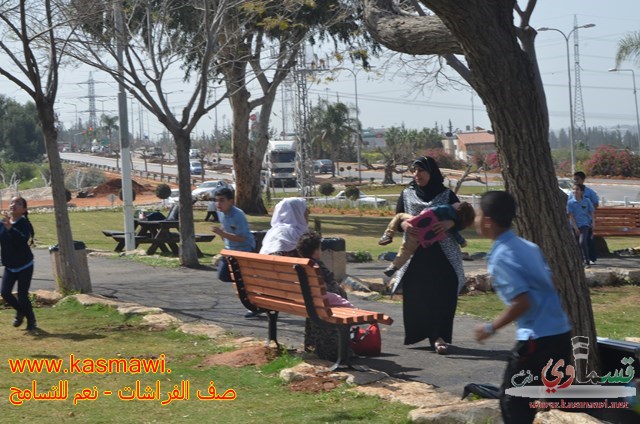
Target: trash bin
(334, 255)
(84, 279)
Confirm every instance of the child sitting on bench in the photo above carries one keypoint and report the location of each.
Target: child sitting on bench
(462, 213)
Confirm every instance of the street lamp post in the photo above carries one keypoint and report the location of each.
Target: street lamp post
(571, 129)
(635, 96)
(359, 133)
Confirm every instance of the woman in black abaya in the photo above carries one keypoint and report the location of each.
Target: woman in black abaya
(431, 280)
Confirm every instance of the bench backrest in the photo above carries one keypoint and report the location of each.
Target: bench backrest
(275, 282)
(608, 218)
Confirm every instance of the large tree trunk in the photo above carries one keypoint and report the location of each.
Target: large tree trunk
(188, 252)
(508, 81)
(246, 160)
(68, 276)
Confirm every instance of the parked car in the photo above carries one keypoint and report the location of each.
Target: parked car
(341, 199)
(323, 166)
(566, 185)
(174, 197)
(208, 187)
(194, 153)
(195, 167)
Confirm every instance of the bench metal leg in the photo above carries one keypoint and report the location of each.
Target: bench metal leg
(343, 348)
(273, 327)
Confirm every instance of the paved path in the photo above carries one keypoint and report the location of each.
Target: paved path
(197, 295)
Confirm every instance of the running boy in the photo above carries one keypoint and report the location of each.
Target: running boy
(234, 229)
(462, 213)
(522, 279)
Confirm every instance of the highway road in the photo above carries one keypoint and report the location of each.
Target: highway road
(612, 190)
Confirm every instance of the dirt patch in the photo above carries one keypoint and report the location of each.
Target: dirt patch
(115, 184)
(320, 383)
(252, 355)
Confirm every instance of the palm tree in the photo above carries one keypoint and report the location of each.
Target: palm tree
(331, 127)
(629, 48)
(109, 124)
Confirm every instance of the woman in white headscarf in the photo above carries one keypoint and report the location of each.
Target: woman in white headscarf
(288, 223)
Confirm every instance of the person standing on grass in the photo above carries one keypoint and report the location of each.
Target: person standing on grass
(16, 238)
(233, 229)
(522, 280)
(580, 212)
(578, 178)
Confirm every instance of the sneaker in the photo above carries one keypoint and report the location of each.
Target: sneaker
(390, 271)
(384, 240)
(252, 314)
(17, 322)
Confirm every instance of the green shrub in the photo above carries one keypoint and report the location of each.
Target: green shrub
(352, 192)
(24, 171)
(326, 189)
(163, 191)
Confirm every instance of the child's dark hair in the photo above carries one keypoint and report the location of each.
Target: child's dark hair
(500, 206)
(466, 214)
(26, 217)
(580, 175)
(308, 244)
(225, 192)
(580, 187)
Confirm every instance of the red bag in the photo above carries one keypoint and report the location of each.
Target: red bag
(366, 341)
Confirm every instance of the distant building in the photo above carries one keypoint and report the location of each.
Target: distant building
(465, 145)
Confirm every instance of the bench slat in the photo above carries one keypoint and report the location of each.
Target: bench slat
(258, 285)
(617, 222)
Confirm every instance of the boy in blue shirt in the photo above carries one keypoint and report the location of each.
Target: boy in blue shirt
(578, 178)
(233, 229)
(580, 212)
(522, 279)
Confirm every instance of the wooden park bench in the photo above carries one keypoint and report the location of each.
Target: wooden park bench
(617, 222)
(273, 284)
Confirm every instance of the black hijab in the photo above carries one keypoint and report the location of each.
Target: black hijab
(435, 185)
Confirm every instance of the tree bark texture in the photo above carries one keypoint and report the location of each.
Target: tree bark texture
(188, 252)
(507, 80)
(67, 275)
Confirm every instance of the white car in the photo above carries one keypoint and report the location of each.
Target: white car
(174, 197)
(566, 185)
(208, 187)
(341, 199)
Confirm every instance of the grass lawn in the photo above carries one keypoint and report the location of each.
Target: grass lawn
(97, 332)
(615, 309)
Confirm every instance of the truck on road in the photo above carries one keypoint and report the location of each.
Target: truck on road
(280, 163)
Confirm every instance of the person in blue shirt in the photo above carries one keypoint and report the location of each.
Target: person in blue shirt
(522, 279)
(16, 237)
(578, 178)
(580, 212)
(233, 229)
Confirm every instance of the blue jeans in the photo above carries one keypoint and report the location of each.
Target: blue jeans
(22, 304)
(224, 274)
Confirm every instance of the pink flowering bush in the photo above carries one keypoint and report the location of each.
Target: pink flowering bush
(608, 160)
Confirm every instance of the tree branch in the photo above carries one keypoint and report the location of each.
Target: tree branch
(418, 35)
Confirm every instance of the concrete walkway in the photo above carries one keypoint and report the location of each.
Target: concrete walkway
(198, 296)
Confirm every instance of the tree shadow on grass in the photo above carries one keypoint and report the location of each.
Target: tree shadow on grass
(77, 337)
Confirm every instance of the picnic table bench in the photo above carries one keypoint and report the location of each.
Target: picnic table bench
(158, 235)
(274, 284)
(617, 222)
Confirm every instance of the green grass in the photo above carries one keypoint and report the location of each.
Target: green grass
(98, 332)
(614, 308)
(360, 232)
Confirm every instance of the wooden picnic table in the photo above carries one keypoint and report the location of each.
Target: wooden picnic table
(159, 235)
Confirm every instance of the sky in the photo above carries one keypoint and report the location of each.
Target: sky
(387, 100)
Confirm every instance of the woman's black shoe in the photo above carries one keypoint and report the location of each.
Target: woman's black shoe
(17, 322)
